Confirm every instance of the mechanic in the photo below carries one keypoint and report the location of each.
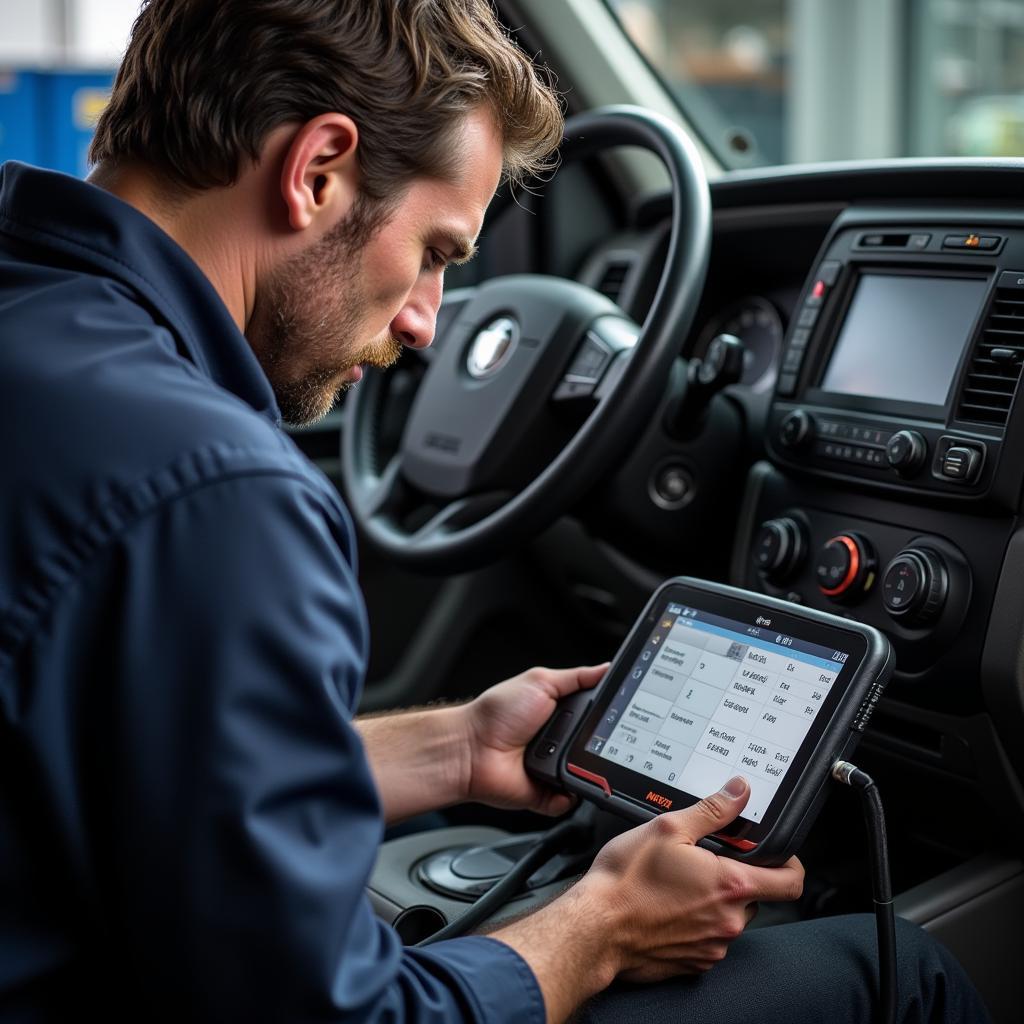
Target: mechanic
(188, 813)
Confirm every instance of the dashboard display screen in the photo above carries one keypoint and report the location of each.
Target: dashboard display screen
(903, 337)
(708, 697)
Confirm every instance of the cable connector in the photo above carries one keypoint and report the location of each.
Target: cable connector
(850, 775)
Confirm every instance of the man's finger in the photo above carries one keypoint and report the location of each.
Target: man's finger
(781, 885)
(564, 681)
(713, 812)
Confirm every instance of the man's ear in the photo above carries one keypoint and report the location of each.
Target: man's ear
(321, 173)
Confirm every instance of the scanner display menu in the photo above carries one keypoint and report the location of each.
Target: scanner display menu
(709, 697)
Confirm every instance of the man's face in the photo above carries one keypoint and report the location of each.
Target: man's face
(366, 289)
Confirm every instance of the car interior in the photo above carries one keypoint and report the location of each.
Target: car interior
(797, 379)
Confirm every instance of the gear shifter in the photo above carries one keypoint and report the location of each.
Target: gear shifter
(722, 365)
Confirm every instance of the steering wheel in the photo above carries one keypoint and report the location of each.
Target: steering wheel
(534, 386)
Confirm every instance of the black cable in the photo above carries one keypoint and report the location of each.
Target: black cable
(881, 884)
(567, 834)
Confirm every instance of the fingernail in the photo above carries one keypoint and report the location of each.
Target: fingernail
(735, 787)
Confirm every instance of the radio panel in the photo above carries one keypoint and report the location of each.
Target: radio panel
(902, 360)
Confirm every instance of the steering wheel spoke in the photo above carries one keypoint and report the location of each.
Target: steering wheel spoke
(459, 514)
(384, 495)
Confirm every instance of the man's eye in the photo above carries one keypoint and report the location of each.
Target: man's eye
(436, 260)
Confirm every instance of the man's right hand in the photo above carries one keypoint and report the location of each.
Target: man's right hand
(653, 905)
(679, 905)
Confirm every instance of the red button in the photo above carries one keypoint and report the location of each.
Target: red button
(819, 289)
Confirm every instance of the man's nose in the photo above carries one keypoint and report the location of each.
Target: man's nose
(414, 326)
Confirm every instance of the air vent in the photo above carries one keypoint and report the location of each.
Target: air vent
(992, 377)
(614, 276)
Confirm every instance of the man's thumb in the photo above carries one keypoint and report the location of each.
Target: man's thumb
(716, 811)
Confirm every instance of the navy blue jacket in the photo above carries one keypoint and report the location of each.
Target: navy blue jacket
(187, 817)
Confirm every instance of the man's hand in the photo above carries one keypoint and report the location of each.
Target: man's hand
(503, 720)
(653, 905)
(702, 901)
(430, 758)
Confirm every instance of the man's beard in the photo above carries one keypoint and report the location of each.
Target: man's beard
(307, 317)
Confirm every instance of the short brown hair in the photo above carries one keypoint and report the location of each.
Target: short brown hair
(203, 82)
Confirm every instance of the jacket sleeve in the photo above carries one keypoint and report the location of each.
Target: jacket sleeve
(229, 812)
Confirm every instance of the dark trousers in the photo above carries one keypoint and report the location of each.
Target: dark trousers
(819, 972)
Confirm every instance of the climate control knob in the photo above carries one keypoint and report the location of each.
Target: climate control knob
(915, 586)
(846, 567)
(779, 548)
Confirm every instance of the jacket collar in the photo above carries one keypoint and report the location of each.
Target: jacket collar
(64, 214)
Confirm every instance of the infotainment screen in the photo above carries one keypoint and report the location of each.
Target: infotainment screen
(903, 337)
(709, 697)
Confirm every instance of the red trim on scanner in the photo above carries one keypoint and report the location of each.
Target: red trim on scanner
(597, 780)
(740, 844)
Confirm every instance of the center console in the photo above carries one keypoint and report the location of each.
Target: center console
(894, 437)
(891, 490)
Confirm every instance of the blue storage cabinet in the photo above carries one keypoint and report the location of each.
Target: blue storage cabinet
(69, 104)
(48, 117)
(19, 116)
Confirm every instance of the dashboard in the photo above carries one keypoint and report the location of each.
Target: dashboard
(874, 444)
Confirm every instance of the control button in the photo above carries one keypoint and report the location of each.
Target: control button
(671, 487)
(828, 272)
(545, 750)
(918, 241)
(779, 548)
(793, 358)
(796, 429)
(818, 291)
(961, 464)
(872, 240)
(814, 299)
(915, 586)
(1011, 279)
(573, 389)
(787, 384)
(589, 362)
(971, 241)
(800, 338)
(906, 452)
(808, 317)
(845, 567)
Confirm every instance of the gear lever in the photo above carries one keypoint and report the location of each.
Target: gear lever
(722, 365)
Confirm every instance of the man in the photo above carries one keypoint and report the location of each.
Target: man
(188, 814)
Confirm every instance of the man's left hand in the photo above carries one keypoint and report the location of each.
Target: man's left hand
(503, 720)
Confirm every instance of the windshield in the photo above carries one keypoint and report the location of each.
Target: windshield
(794, 81)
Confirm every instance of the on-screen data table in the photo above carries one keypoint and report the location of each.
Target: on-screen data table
(710, 698)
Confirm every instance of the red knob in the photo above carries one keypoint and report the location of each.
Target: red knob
(845, 567)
